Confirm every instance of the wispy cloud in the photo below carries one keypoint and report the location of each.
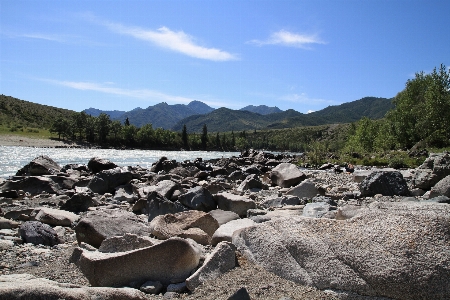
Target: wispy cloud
(177, 41)
(109, 88)
(41, 36)
(143, 94)
(305, 99)
(289, 39)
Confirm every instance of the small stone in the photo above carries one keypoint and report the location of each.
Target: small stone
(177, 287)
(151, 287)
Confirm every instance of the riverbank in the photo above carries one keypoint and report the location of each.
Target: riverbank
(17, 140)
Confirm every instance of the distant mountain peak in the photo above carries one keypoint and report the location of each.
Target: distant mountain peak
(262, 109)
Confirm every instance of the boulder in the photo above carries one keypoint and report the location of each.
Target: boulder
(317, 209)
(8, 224)
(223, 216)
(252, 181)
(225, 232)
(37, 233)
(386, 183)
(42, 165)
(198, 198)
(306, 189)
(125, 193)
(193, 224)
(96, 165)
(157, 205)
(281, 201)
(127, 242)
(26, 286)
(168, 262)
(163, 164)
(235, 203)
(54, 217)
(220, 261)
(393, 250)
(433, 169)
(98, 225)
(442, 188)
(165, 188)
(33, 185)
(286, 175)
(107, 181)
(80, 202)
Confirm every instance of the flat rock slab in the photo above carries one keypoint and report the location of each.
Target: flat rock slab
(53, 216)
(98, 225)
(194, 224)
(397, 250)
(235, 203)
(26, 286)
(226, 231)
(168, 262)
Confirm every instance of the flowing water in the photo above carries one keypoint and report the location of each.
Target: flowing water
(13, 158)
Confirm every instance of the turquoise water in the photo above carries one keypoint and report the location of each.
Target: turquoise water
(13, 158)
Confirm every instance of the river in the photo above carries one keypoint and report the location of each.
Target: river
(13, 158)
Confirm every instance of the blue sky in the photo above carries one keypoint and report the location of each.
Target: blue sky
(304, 55)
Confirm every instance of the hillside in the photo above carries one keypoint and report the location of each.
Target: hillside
(224, 119)
(16, 112)
(262, 109)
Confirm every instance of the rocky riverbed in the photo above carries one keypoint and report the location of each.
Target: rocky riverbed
(249, 227)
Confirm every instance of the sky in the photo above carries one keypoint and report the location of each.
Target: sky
(293, 54)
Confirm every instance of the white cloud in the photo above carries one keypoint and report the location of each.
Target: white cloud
(108, 88)
(144, 94)
(289, 39)
(304, 99)
(177, 41)
(47, 37)
(310, 111)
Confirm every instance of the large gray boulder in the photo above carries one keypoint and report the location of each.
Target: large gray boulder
(252, 181)
(42, 165)
(396, 250)
(225, 232)
(234, 203)
(171, 261)
(26, 286)
(442, 188)
(306, 189)
(127, 242)
(198, 198)
(80, 202)
(223, 216)
(54, 217)
(33, 185)
(433, 169)
(316, 209)
(37, 233)
(197, 225)
(386, 183)
(220, 261)
(98, 225)
(96, 165)
(157, 205)
(286, 175)
(107, 181)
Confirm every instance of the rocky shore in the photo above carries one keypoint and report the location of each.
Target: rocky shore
(250, 227)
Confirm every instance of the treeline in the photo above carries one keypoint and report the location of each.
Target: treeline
(103, 131)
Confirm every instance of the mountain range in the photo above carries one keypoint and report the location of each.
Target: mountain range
(195, 114)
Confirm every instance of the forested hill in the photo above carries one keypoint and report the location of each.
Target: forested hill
(16, 112)
(224, 119)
